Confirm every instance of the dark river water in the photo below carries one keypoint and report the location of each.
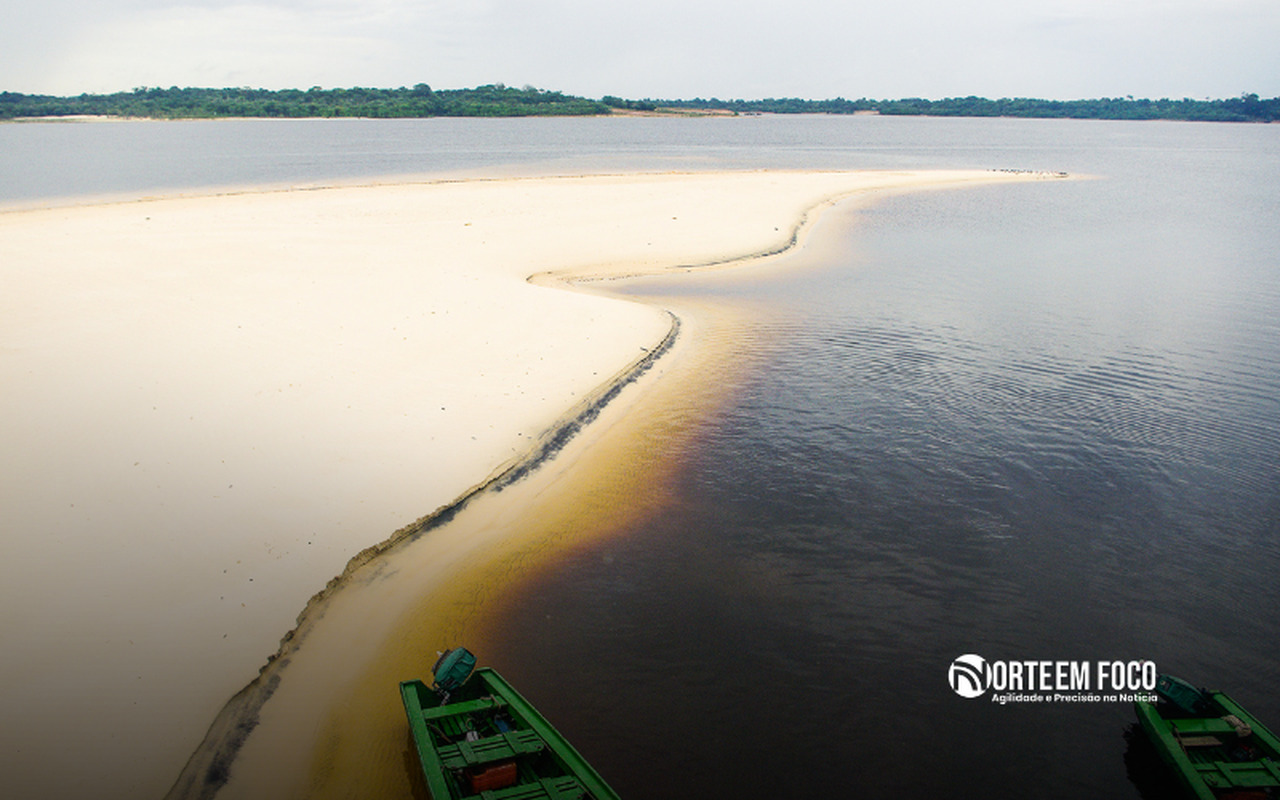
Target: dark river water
(1027, 422)
(1036, 422)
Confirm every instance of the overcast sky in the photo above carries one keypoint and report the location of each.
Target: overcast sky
(1062, 49)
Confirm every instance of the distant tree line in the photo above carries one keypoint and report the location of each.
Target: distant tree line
(495, 100)
(629, 105)
(1246, 108)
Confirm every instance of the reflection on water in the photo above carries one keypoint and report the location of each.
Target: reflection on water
(993, 423)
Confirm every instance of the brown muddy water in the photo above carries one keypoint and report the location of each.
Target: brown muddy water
(327, 719)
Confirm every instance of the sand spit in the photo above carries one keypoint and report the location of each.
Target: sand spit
(213, 402)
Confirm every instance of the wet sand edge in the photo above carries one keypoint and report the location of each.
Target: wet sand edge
(209, 768)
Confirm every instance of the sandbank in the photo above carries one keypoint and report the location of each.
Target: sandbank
(213, 403)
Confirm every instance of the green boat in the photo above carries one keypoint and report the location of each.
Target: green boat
(1217, 749)
(478, 739)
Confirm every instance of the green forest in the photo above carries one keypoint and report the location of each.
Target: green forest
(1246, 108)
(494, 100)
(497, 100)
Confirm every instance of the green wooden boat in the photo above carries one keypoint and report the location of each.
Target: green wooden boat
(1217, 749)
(478, 739)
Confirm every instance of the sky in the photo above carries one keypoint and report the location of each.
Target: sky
(1059, 49)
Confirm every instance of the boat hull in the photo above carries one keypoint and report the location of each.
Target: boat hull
(487, 738)
(1208, 754)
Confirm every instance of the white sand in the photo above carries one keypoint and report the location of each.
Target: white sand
(210, 404)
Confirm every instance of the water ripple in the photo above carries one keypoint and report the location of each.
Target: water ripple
(1020, 445)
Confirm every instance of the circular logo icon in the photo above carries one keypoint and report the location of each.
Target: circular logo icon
(969, 676)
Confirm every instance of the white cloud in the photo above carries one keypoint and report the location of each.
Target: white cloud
(212, 45)
(659, 48)
(287, 43)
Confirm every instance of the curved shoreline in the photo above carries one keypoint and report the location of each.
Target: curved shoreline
(551, 443)
(634, 231)
(209, 767)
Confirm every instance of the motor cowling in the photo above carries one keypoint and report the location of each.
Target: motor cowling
(452, 669)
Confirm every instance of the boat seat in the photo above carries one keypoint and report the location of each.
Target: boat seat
(564, 788)
(1244, 774)
(502, 747)
(462, 709)
(1201, 726)
(1199, 741)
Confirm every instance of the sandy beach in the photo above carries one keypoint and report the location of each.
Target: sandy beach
(212, 404)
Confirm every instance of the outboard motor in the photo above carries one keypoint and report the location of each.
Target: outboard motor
(1182, 695)
(451, 671)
